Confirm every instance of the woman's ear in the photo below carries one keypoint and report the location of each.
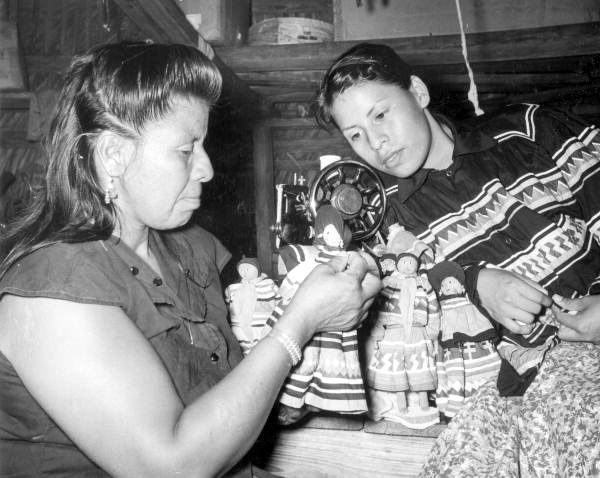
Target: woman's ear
(419, 90)
(112, 153)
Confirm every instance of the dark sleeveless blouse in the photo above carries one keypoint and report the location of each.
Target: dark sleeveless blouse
(181, 313)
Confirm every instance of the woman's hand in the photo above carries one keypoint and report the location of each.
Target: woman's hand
(582, 322)
(511, 299)
(335, 296)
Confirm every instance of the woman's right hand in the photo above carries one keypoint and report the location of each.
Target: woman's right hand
(581, 322)
(335, 296)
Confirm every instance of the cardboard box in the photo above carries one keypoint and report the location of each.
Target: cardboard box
(277, 31)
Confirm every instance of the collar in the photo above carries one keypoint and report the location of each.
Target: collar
(467, 140)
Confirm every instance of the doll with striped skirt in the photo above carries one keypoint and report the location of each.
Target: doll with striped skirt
(467, 355)
(401, 348)
(250, 302)
(328, 377)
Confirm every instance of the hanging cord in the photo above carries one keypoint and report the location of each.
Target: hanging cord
(472, 94)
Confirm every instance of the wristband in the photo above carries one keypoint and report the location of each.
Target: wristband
(291, 345)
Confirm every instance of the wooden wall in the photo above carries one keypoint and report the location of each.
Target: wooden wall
(376, 19)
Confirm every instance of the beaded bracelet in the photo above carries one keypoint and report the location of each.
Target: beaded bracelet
(290, 345)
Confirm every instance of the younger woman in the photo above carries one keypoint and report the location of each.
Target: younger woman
(513, 197)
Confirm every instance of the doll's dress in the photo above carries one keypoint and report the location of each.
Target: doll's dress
(401, 353)
(404, 357)
(467, 356)
(250, 304)
(328, 377)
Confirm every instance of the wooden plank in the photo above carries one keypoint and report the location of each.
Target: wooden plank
(278, 84)
(264, 196)
(15, 100)
(313, 452)
(546, 42)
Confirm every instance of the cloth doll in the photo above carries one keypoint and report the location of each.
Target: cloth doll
(328, 377)
(401, 351)
(467, 356)
(250, 303)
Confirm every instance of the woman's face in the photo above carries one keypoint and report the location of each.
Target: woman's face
(385, 125)
(162, 184)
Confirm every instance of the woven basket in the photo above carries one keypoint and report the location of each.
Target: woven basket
(277, 31)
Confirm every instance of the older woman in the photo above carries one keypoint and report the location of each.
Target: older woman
(116, 358)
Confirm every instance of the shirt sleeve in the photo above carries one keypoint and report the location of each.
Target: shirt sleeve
(575, 149)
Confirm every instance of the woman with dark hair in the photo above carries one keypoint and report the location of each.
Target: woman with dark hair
(115, 353)
(513, 198)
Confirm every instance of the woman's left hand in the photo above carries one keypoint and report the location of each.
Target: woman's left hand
(582, 322)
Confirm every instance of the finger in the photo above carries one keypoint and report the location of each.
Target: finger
(566, 319)
(516, 312)
(371, 285)
(339, 263)
(570, 304)
(371, 263)
(363, 316)
(356, 265)
(525, 307)
(569, 334)
(534, 292)
(514, 326)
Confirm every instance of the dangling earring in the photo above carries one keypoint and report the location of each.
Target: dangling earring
(109, 192)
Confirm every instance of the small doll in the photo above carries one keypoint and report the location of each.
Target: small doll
(328, 377)
(467, 357)
(250, 303)
(400, 352)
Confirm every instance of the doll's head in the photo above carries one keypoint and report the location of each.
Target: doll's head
(407, 264)
(447, 278)
(330, 229)
(451, 286)
(400, 241)
(248, 268)
(387, 262)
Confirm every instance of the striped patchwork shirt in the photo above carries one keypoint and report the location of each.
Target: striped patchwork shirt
(522, 194)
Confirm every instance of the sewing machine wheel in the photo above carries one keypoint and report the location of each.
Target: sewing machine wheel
(355, 190)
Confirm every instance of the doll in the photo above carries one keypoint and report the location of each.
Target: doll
(400, 352)
(467, 357)
(328, 377)
(250, 303)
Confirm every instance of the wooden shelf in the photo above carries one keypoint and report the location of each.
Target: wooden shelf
(537, 58)
(15, 100)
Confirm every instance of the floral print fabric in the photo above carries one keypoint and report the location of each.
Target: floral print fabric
(552, 431)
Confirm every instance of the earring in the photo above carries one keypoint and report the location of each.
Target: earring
(109, 192)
